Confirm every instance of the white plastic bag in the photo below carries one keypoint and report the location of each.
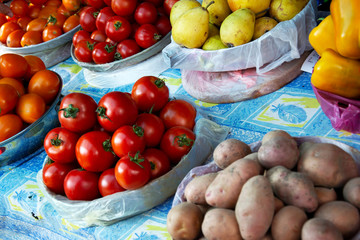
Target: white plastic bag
(112, 208)
(287, 41)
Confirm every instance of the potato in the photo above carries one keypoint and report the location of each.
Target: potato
(278, 204)
(287, 223)
(351, 191)
(278, 148)
(220, 223)
(325, 195)
(320, 229)
(224, 190)
(316, 157)
(229, 151)
(184, 221)
(195, 190)
(293, 188)
(343, 215)
(255, 207)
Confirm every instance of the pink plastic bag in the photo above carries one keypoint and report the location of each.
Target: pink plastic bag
(344, 113)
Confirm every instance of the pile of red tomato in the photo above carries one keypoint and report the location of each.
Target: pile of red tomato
(27, 89)
(120, 143)
(37, 21)
(117, 29)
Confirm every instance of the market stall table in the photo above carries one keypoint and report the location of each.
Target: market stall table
(26, 214)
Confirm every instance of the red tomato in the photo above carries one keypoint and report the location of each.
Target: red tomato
(178, 112)
(81, 185)
(134, 28)
(98, 36)
(163, 25)
(93, 151)
(99, 4)
(77, 112)
(147, 35)
(160, 163)
(157, 3)
(153, 126)
(104, 15)
(8, 98)
(83, 50)
(108, 184)
(10, 124)
(80, 35)
(177, 142)
(168, 4)
(145, 13)
(118, 28)
(123, 7)
(103, 52)
(59, 145)
(150, 93)
(54, 173)
(128, 139)
(127, 48)
(116, 109)
(88, 18)
(132, 171)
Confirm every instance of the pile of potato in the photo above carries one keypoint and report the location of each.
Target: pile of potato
(283, 191)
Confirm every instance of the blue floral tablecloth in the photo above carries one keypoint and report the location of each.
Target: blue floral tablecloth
(26, 214)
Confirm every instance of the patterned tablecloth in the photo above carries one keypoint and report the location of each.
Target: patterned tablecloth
(26, 214)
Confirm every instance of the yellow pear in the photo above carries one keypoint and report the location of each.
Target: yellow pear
(238, 27)
(213, 43)
(283, 10)
(213, 30)
(263, 25)
(217, 11)
(181, 7)
(259, 7)
(191, 29)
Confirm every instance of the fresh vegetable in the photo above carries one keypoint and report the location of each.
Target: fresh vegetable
(337, 74)
(178, 112)
(108, 184)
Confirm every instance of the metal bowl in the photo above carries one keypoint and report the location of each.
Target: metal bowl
(32, 137)
(129, 61)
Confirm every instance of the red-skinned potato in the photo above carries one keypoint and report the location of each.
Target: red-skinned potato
(351, 191)
(195, 190)
(320, 229)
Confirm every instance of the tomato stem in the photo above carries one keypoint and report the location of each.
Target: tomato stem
(101, 111)
(139, 131)
(107, 146)
(183, 140)
(136, 159)
(70, 111)
(117, 25)
(159, 83)
(56, 141)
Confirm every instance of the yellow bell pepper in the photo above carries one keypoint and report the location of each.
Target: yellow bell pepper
(346, 18)
(337, 74)
(322, 36)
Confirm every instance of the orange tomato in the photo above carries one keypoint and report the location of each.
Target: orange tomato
(51, 32)
(55, 3)
(46, 84)
(46, 11)
(37, 24)
(38, 2)
(56, 19)
(31, 38)
(72, 5)
(6, 29)
(10, 124)
(35, 65)
(34, 11)
(13, 65)
(23, 22)
(71, 22)
(8, 98)
(19, 7)
(3, 19)
(14, 38)
(15, 84)
(62, 10)
(30, 107)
